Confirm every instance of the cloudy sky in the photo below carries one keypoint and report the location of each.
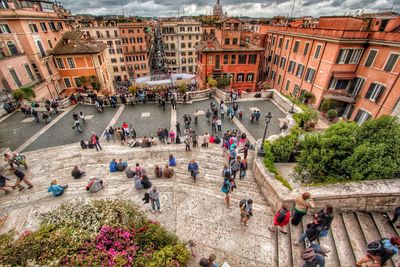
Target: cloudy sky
(253, 8)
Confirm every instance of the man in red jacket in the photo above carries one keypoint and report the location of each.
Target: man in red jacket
(281, 219)
(95, 141)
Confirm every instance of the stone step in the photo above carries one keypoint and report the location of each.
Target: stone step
(390, 216)
(355, 234)
(295, 232)
(342, 242)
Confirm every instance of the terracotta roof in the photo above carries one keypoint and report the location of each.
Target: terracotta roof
(226, 19)
(212, 45)
(74, 42)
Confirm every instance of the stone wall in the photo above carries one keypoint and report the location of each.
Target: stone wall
(379, 195)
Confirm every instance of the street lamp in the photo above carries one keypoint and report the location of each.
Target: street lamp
(268, 118)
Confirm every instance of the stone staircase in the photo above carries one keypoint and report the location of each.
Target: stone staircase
(193, 210)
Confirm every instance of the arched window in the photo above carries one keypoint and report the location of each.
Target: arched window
(13, 49)
(41, 49)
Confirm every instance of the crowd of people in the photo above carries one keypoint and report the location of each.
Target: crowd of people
(32, 110)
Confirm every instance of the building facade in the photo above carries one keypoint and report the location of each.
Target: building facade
(180, 39)
(135, 47)
(28, 32)
(83, 63)
(229, 52)
(351, 61)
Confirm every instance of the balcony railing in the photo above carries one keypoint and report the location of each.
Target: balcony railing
(339, 95)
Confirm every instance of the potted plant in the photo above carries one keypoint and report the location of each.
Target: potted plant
(332, 114)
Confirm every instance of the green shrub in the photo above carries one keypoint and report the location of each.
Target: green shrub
(326, 105)
(170, 256)
(269, 159)
(284, 145)
(24, 93)
(308, 115)
(332, 114)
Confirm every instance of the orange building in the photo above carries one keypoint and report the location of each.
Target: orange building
(229, 52)
(28, 31)
(135, 48)
(352, 61)
(77, 56)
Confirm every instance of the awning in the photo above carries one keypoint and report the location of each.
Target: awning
(344, 75)
(341, 98)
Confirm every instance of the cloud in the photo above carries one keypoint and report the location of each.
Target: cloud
(252, 8)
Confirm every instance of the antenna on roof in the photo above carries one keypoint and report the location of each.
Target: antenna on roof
(294, 3)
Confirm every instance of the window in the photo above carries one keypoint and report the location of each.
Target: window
(181, 29)
(4, 28)
(349, 56)
(115, 34)
(273, 74)
(356, 86)
(233, 59)
(183, 45)
(250, 77)
(13, 49)
(252, 59)
(287, 85)
(227, 40)
(240, 77)
(29, 72)
(317, 51)
(276, 59)
(183, 38)
(361, 116)
(33, 27)
(121, 59)
(210, 60)
(77, 82)
(71, 62)
(296, 46)
(60, 25)
(371, 58)
(310, 75)
(48, 68)
(60, 63)
(123, 68)
(113, 60)
(226, 59)
(391, 62)
(273, 40)
(280, 42)
(67, 82)
(296, 89)
(41, 49)
(287, 44)
(3, 4)
(50, 44)
(108, 34)
(217, 62)
(338, 84)
(242, 59)
(283, 62)
(115, 69)
(375, 92)
(279, 78)
(300, 69)
(235, 41)
(99, 58)
(305, 52)
(52, 26)
(292, 66)
(17, 81)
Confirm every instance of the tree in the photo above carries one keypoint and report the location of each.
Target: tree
(211, 82)
(223, 81)
(25, 92)
(94, 81)
(182, 88)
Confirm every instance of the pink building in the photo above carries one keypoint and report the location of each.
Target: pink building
(28, 31)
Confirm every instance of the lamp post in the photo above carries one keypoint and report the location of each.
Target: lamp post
(268, 118)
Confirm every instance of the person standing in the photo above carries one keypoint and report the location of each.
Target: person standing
(82, 117)
(324, 218)
(222, 112)
(21, 177)
(95, 141)
(214, 124)
(195, 138)
(208, 115)
(246, 211)
(314, 256)
(187, 142)
(193, 168)
(302, 204)
(206, 139)
(107, 135)
(245, 150)
(243, 168)
(227, 189)
(235, 166)
(77, 125)
(155, 199)
(35, 115)
(395, 217)
(178, 128)
(281, 219)
(172, 136)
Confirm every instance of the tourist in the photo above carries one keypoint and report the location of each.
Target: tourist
(130, 173)
(111, 131)
(15, 158)
(395, 217)
(82, 117)
(94, 185)
(171, 160)
(122, 165)
(281, 219)
(55, 189)
(3, 184)
(241, 111)
(168, 172)
(172, 136)
(107, 135)
(284, 126)
(35, 115)
(46, 117)
(196, 119)
(324, 218)
(235, 166)
(227, 189)
(187, 142)
(206, 139)
(178, 128)
(310, 234)
(246, 211)
(137, 182)
(245, 150)
(125, 128)
(193, 168)
(232, 154)
(208, 115)
(212, 259)
(76, 125)
(146, 182)
(243, 168)
(139, 170)
(21, 176)
(158, 171)
(113, 165)
(195, 139)
(387, 249)
(314, 256)
(155, 199)
(226, 172)
(302, 204)
(214, 124)
(77, 173)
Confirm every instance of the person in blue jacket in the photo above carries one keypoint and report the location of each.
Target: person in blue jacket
(193, 168)
(171, 161)
(56, 189)
(113, 165)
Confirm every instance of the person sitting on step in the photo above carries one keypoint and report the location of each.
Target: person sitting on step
(56, 189)
(94, 185)
(130, 173)
(121, 165)
(158, 171)
(168, 172)
(113, 165)
(77, 173)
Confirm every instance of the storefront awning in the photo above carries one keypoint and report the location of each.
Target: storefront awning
(344, 75)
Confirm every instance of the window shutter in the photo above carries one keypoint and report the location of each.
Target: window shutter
(370, 90)
(340, 55)
(350, 112)
(358, 115)
(381, 90)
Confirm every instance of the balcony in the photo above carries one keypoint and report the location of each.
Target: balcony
(339, 95)
(5, 57)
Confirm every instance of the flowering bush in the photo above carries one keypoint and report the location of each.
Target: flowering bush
(116, 234)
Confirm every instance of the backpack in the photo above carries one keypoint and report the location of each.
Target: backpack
(308, 255)
(375, 248)
(90, 184)
(227, 173)
(243, 203)
(225, 187)
(281, 216)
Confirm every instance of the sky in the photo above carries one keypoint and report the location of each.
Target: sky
(250, 8)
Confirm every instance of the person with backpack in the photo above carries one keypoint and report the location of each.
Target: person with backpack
(172, 160)
(380, 251)
(246, 211)
(227, 189)
(130, 173)
(281, 219)
(301, 205)
(314, 256)
(193, 168)
(113, 165)
(243, 168)
(226, 172)
(94, 185)
(310, 234)
(324, 218)
(232, 154)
